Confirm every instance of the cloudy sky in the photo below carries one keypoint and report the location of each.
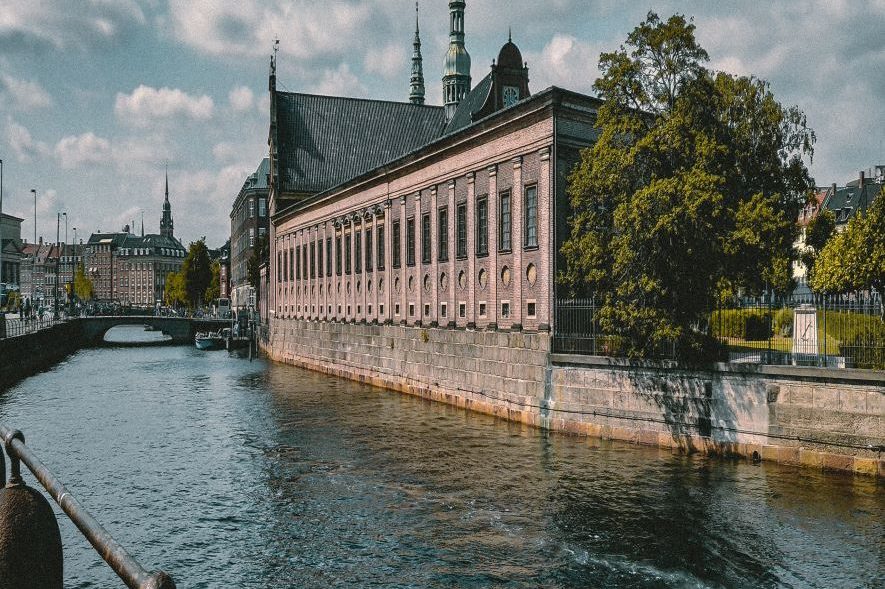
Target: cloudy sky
(97, 95)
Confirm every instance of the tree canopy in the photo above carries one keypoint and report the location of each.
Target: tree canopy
(818, 232)
(213, 291)
(197, 271)
(692, 186)
(854, 259)
(83, 286)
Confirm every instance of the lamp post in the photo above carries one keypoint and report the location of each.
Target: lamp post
(57, 256)
(35, 215)
(1, 221)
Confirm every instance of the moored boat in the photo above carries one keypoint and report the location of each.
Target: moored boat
(208, 341)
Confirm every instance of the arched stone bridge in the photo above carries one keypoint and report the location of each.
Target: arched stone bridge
(182, 329)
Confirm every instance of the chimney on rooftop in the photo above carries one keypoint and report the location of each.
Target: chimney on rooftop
(860, 184)
(41, 240)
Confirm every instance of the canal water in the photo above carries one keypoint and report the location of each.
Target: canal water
(231, 473)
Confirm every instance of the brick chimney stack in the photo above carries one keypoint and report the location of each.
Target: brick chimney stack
(860, 184)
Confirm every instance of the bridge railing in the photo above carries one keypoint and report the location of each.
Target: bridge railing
(17, 327)
(126, 567)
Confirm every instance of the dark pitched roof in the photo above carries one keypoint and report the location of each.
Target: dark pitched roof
(469, 105)
(152, 240)
(258, 179)
(326, 140)
(115, 239)
(846, 201)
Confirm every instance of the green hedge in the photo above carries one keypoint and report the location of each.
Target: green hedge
(745, 324)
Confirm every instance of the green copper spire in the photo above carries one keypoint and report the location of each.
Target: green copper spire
(416, 93)
(456, 75)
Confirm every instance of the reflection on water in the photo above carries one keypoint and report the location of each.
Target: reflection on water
(135, 334)
(236, 474)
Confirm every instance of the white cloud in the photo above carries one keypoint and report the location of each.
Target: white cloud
(76, 150)
(24, 94)
(248, 27)
(146, 105)
(28, 24)
(225, 152)
(21, 142)
(567, 62)
(340, 82)
(241, 98)
(389, 61)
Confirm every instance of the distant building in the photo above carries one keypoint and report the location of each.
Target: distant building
(39, 274)
(248, 225)
(131, 270)
(856, 196)
(10, 249)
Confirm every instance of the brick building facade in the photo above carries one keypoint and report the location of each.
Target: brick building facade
(428, 219)
(249, 222)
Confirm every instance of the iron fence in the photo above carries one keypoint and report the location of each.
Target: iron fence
(17, 327)
(833, 331)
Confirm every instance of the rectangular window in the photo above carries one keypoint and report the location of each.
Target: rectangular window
(320, 258)
(291, 263)
(347, 253)
(313, 260)
(442, 228)
(380, 232)
(251, 236)
(251, 207)
(462, 230)
(329, 257)
(482, 226)
(279, 266)
(504, 222)
(262, 207)
(285, 265)
(338, 257)
(531, 216)
(358, 251)
(396, 245)
(425, 239)
(304, 261)
(368, 251)
(410, 241)
(531, 309)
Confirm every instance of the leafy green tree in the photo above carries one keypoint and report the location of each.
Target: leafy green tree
(214, 290)
(259, 256)
(197, 271)
(692, 187)
(83, 286)
(174, 293)
(818, 232)
(854, 259)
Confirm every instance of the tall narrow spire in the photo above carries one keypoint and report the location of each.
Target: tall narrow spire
(456, 75)
(416, 91)
(166, 225)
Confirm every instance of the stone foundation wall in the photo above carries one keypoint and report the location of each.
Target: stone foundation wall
(815, 417)
(500, 373)
(806, 416)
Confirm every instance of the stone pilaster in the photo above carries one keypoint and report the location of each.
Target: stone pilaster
(518, 240)
(492, 305)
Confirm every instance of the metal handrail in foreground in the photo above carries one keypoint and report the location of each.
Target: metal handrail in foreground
(126, 567)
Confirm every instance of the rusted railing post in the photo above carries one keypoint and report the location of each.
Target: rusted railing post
(126, 567)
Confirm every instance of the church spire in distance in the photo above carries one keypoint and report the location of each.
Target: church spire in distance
(416, 91)
(166, 222)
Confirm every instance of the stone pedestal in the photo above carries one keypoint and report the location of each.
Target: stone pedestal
(804, 333)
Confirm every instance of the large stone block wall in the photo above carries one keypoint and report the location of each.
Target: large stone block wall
(824, 418)
(495, 372)
(805, 416)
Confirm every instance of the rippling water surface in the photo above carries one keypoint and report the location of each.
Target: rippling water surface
(230, 473)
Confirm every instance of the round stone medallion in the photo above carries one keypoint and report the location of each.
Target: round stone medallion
(358, 284)
(381, 284)
(444, 282)
(427, 283)
(482, 279)
(396, 283)
(411, 283)
(369, 285)
(506, 275)
(462, 279)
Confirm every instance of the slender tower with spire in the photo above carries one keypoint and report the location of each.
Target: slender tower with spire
(456, 76)
(166, 221)
(416, 90)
